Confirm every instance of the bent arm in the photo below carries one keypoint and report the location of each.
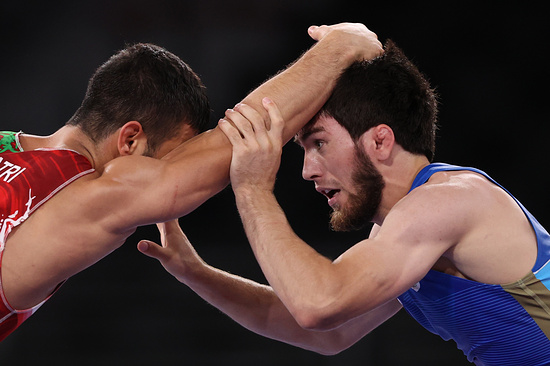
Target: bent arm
(322, 294)
(253, 305)
(199, 168)
(136, 190)
(257, 308)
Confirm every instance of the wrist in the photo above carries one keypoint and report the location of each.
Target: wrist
(341, 48)
(355, 43)
(250, 192)
(193, 272)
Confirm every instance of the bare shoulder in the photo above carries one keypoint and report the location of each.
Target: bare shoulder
(457, 192)
(445, 212)
(130, 167)
(444, 206)
(486, 233)
(456, 183)
(111, 197)
(467, 194)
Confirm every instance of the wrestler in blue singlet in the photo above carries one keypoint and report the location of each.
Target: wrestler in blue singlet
(492, 324)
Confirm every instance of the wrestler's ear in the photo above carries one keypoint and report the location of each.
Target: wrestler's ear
(131, 139)
(378, 142)
(385, 140)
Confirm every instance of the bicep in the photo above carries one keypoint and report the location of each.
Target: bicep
(137, 190)
(408, 244)
(126, 195)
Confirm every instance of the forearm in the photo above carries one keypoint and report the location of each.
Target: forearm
(299, 92)
(303, 279)
(196, 171)
(251, 304)
(302, 89)
(257, 308)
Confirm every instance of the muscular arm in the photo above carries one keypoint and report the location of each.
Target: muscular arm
(251, 304)
(319, 293)
(99, 212)
(322, 294)
(255, 306)
(198, 169)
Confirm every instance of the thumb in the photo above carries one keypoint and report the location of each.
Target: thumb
(317, 32)
(151, 249)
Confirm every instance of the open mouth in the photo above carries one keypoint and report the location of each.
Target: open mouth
(330, 195)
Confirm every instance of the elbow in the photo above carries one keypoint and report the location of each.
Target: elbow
(316, 319)
(322, 312)
(328, 340)
(323, 326)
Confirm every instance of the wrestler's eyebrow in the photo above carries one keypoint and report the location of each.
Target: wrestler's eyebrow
(306, 132)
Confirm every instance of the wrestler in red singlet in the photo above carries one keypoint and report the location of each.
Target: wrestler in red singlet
(27, 180)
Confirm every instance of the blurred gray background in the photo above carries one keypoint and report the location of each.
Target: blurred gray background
(488, 61)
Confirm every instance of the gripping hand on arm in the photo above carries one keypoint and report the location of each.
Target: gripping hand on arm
(299, 91)
(257, 146)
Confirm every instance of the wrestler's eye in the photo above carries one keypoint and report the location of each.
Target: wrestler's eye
(318, 143)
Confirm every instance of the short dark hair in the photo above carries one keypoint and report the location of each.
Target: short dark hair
(145, 83)
(387, 90)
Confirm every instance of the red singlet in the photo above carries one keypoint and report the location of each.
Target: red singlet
(27, 180)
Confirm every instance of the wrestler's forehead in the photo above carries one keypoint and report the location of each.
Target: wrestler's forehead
(322, 123)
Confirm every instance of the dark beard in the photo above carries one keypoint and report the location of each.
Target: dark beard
(363, 206)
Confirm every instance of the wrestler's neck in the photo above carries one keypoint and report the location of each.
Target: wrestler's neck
(72, 138)
(398, 178)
